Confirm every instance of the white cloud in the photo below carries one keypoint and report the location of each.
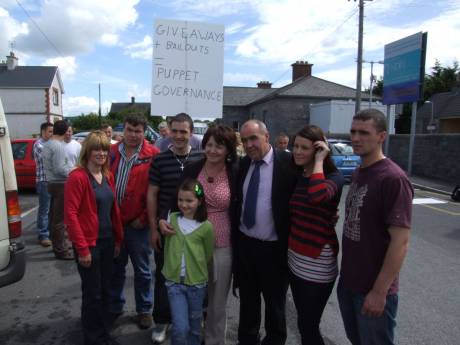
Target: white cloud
(79, 104)
(140, 50)
(234, 28)
(210, 8)
(141, 94)
(9, 29)
(75, 26)
(292, 30)
(109, 39)
(345, 76)
(67, 65)
(242, 78)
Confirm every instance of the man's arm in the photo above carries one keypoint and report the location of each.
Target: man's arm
(375, 300)
(152, 206)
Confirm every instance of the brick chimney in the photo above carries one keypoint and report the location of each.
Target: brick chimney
(11, 61)
(264, 85)
(301, 69)
(133, 100)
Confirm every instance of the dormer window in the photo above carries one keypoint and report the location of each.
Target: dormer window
(55, 96)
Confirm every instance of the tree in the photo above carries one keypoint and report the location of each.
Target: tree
(441, 79)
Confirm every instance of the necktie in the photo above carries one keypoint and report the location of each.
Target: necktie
(250, 205)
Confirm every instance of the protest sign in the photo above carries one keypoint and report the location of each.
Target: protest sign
(187, 68)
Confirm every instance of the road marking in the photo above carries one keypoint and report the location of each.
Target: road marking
(424, 201)
(28, 211)
(441, 210)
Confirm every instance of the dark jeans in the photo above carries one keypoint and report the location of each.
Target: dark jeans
(95, 285)
(161, 311)
(62, 247)
(309, 299)
(136, 246)
(262, 271)
(362, 329)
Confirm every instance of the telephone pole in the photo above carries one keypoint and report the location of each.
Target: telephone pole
(360, 55)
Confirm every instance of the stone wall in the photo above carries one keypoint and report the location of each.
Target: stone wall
(435, 155)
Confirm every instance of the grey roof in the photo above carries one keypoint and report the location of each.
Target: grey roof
(241, 96)
(117, 107)
(27, 76)
(445, 104)
(314, 87)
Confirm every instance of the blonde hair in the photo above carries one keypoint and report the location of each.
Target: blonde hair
(96, 140)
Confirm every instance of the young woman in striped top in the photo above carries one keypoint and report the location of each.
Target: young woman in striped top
(313, 244)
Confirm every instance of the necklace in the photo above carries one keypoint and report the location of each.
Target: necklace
(209, 178)
(181, 161)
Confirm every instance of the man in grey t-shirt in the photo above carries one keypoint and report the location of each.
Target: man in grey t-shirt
(57, 168)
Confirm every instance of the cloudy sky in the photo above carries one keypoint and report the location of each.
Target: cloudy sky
(110, 41)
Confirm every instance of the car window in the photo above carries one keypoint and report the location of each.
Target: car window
(19, 150)
(342, 149)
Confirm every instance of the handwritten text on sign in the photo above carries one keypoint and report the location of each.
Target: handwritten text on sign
(188, 60)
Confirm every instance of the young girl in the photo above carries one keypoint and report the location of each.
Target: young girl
(187, 254)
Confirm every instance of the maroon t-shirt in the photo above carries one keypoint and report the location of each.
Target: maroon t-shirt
(380, 196)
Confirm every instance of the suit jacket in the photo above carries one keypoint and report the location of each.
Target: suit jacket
(283, 184)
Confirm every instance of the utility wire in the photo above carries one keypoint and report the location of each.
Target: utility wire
(40, 30)
(353, 12)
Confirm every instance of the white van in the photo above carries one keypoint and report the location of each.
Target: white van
(12, 250)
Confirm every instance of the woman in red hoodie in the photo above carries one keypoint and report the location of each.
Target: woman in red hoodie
(94, 227)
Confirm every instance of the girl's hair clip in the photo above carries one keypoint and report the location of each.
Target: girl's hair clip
(198, 191)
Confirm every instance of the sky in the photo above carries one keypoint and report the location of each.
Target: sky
(110, 41)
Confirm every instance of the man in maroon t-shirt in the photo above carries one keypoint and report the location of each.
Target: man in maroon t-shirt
(375, 236)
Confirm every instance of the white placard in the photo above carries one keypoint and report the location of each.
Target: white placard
(187, 69)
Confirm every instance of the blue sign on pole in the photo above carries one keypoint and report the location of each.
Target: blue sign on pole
(404, 69)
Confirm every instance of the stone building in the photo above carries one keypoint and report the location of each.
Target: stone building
(284, 109)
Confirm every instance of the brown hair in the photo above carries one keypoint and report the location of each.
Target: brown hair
(314, 133)
(223, 135)
(377, 117)
(192, 185)
(96, 140)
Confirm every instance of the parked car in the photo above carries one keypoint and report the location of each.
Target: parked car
(343, 156)
(151, 135)
(12, 249)
(24, 163)
(80, 136)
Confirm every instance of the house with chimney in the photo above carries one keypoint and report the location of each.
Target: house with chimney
(30, 96)
(441, 112)
(117, 107)
(284, 109)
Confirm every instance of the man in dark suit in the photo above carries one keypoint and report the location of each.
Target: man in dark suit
(266, 182)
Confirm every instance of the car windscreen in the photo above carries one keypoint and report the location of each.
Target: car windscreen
(342, 149)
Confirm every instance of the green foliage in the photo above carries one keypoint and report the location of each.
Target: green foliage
(118, 117)
(88, 122)
(441, 79)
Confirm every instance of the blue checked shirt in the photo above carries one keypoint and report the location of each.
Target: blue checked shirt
(38, 157)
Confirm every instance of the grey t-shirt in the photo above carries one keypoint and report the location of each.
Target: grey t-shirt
(55, 161)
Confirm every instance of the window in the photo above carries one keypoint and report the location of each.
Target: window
(19, 150)
(55, 96)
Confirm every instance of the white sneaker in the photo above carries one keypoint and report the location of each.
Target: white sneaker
(159, 332)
